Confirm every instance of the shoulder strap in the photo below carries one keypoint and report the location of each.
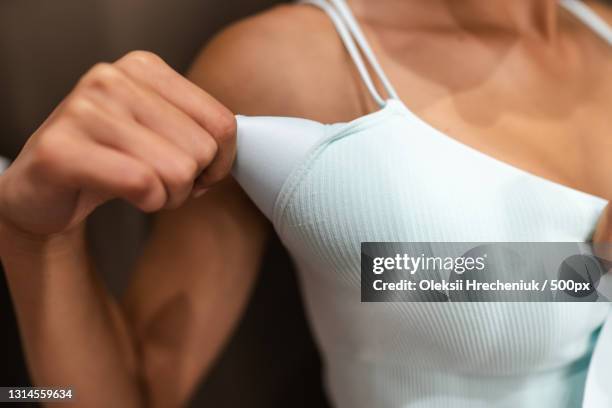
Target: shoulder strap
(585, 14)
(356, 44)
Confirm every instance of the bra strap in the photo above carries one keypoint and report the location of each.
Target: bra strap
(361, 40)
(356, 43)
(590, 18)
(350, 33)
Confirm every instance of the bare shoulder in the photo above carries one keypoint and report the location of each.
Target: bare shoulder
(285, 61)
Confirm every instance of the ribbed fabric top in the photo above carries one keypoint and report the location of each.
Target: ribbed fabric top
(391, 177)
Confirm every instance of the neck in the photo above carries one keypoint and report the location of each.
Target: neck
(522, 17)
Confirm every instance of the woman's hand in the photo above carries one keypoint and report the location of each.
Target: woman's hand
(134, 130)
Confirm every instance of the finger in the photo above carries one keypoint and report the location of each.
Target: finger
(120, 95)
(111, 173)
(151, 71)
(175, 168)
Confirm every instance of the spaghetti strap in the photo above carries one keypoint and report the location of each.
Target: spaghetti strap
(361, 40)
(590, 18)
(355, 44)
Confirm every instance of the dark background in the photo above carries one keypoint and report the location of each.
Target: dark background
(44, 47)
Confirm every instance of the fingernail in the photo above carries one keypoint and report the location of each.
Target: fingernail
(199, 192)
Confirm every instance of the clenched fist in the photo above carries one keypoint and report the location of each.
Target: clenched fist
(135, 130)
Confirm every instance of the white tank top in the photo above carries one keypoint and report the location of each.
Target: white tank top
(390, 176)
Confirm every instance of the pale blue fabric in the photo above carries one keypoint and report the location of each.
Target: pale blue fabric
(390, 176)
(4, 163)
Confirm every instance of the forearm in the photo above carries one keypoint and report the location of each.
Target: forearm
(73, 333)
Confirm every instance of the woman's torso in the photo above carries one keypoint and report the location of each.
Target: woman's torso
(392, 176)
(539, 106)
(428, 188)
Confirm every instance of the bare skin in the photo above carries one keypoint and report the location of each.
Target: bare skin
(521, 81)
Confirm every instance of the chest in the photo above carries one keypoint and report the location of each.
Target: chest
(401, 180)
(549, 114)
(398, 180)
(567, 141)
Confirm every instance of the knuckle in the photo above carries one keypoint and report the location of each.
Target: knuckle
(47, 154)
(224, 126)
(183, 172)
(102, 76)
(79, 107)
(206, 152)
(141, 57)
(138, 182)
(52, 151)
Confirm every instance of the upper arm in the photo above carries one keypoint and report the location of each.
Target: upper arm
(190, 288)
(288, 61)
(201, 260)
